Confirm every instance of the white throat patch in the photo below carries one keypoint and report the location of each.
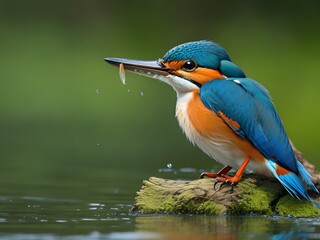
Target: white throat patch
(179, 84)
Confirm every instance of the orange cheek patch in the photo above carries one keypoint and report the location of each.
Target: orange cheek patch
(200, 75)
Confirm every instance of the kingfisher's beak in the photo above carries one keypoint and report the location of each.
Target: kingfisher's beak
(148, 68)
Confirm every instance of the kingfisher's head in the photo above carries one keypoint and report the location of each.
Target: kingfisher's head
(186, 67)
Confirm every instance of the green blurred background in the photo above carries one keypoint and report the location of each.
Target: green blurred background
(66, 117)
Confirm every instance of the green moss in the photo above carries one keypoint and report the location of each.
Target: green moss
(186, 203)
(211, 208)
(289, 206)
(255, 199)
(148, 203)
(207, 207)
(179, 203)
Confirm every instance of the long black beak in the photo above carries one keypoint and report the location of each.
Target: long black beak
(148, 68)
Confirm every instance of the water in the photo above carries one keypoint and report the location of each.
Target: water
(103, 212)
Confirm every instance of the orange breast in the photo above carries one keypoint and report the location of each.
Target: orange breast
(210, 126)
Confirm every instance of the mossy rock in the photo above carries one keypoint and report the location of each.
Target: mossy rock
(253, 195)
(289, 206)
(167, 196)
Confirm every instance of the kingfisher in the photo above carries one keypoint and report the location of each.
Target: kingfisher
(228, 116)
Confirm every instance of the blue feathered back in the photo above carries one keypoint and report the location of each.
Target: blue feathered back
(248, 103)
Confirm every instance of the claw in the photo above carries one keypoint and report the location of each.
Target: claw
(215, 184)
(232, 185)
(221, 185)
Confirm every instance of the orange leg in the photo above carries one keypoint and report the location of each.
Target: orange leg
(236, 178)
(222, 172)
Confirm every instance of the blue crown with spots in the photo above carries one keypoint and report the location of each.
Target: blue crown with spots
(206, 54)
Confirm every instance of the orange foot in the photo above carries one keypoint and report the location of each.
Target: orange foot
(233, 180)
(223, 179)
(222, 172)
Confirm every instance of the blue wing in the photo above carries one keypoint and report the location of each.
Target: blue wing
(248, 103)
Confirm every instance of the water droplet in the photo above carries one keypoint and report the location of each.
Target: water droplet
(61, 221)
(141, 94)
(94, 204)
(128, 90)
(98, 144)
(98, 91)
(169, 165)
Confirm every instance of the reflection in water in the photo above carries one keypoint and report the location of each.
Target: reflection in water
(187, 226)
(228, 227)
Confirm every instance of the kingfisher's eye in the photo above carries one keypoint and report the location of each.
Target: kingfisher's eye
(189, 66)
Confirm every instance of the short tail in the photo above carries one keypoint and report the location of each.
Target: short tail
(292, 182)
(306, 176)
